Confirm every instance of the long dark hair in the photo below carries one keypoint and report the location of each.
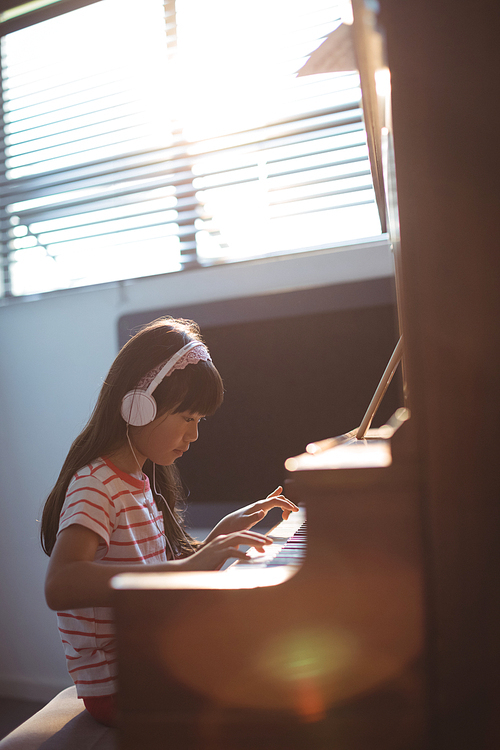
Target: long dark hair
(197, 389)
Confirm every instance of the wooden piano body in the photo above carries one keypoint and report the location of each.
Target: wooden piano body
(278, 654)
(387, 637)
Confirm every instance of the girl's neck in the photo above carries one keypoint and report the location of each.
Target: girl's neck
(125, 460)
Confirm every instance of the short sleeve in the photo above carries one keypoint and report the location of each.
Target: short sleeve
(88, 504)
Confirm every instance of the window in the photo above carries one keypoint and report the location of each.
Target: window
(143, 137)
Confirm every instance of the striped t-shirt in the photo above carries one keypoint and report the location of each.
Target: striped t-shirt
(111, 503)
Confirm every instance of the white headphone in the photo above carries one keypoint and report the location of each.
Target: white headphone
(138, 406)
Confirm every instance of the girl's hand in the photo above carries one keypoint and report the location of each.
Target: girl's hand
(214, 554)
(246, 517)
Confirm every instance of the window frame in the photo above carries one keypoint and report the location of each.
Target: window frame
(183, 183)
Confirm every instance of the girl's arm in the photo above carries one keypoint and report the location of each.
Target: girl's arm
(75, 581)
(246, 517)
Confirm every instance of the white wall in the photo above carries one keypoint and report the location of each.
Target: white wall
(54, 352)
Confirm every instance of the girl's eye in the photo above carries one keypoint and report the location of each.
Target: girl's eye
(192, 419)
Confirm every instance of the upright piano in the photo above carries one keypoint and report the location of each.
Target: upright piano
(384, 634)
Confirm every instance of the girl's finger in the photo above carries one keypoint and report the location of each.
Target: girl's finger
(249, 538)
(278, 491)
(280, 502)
(258, 514)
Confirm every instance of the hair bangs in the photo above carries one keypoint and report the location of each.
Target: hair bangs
(197, 389)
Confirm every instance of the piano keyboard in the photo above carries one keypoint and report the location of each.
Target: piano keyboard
(288, 547)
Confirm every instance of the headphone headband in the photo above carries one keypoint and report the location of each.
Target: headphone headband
(174, 363)
(138, 406)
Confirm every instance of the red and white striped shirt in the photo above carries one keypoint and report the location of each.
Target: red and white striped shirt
(111, 503)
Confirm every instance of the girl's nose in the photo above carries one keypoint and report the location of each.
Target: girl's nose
(192, 432)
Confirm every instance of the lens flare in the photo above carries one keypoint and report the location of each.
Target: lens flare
(308, 661)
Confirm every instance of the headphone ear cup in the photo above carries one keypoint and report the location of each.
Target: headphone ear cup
(138, 408)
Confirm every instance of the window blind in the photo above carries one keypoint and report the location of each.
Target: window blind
(142, 137)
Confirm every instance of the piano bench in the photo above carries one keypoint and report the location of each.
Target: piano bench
(63, 724)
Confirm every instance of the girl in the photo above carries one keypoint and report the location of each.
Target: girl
(116, 503)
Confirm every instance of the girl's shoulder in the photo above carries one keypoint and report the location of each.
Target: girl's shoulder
(101, 475)
(96, 472)
(91, 469)
(90, 501)
(97, 486)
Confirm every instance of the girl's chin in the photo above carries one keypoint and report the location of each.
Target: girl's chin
(169, 460)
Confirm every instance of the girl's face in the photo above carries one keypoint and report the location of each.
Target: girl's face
(167, 437)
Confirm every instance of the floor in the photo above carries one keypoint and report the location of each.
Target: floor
(13, 712)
